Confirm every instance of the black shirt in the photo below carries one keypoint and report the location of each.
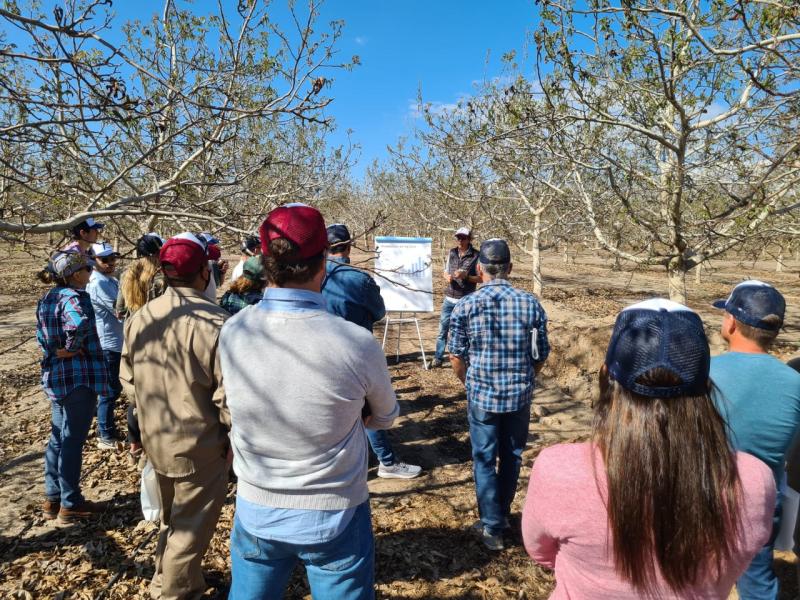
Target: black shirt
(468, 262)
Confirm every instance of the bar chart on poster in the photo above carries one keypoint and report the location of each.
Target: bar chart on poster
(404, 273)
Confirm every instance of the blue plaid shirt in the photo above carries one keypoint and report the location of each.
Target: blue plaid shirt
(494, 331)
(65, 319)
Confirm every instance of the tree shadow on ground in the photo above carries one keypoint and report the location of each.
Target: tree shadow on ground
(21, 459)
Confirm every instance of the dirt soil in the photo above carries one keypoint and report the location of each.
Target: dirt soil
(424, 549)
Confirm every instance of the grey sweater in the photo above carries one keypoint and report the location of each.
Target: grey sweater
(296, 383)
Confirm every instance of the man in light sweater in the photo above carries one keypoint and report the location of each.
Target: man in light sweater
(298, 382)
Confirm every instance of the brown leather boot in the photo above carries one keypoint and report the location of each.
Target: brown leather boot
(50, 509)
(81, 512)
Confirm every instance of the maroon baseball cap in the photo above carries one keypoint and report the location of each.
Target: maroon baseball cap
(183, 255)
(301, 224)
(214, 253)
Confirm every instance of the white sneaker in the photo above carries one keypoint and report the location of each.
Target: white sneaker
(107, 444)
(399, 470)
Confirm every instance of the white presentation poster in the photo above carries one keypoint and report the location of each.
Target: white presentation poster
(404, 273)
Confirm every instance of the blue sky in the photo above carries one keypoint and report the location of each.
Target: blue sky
(439, 46)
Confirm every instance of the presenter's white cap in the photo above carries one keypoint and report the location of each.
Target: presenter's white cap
(463, 231)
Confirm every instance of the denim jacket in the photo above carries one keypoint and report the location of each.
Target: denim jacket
(352, 294)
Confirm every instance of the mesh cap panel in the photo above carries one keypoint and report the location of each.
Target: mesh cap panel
(647, 338)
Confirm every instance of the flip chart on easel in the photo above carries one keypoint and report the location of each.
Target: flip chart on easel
(404, 273)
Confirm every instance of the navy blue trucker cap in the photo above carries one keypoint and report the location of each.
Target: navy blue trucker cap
(337, 234)
(659, 333)
(751, 301)
(495, 252)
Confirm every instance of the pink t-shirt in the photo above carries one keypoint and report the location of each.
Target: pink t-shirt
(565, 526)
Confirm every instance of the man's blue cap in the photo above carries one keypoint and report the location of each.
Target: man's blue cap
(338, 234)
(495, 252)
(659, 334)
(751, 301)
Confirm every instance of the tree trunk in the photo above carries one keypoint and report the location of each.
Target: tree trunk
(779, 262)
(536, 255)
(698, 273)
(676, 277)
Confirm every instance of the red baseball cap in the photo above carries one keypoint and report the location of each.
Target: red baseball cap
(183, 255)
(214, 253)
(301, 224)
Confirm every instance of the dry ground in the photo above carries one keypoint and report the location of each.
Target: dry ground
(424, 548)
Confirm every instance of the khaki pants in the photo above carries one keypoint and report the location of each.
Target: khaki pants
(190, 508)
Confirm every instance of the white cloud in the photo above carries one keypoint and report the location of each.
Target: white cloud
(436, 108)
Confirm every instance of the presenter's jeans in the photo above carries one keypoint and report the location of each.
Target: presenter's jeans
(69, 426)
(444, 328)
(342, 568)
(759, 581)
(106, 403)
(497, 436)
(381, 446)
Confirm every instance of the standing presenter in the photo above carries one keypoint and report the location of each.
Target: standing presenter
(462, 278)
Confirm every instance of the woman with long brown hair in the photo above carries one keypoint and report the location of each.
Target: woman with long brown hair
(142, 280)
(657, 505)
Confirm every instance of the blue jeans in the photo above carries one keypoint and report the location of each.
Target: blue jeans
(759, 581)
(381, 446)
(70, 421)
(105, 404)
(444, 328)
(494, 435)
(343, 568)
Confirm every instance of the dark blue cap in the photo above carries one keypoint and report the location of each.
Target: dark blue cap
(495, 252)
(751, 301)
(251, 244)
(338, 234)
(659, 333)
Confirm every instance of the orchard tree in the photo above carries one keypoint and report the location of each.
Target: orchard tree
(684, 121)
(186, 118)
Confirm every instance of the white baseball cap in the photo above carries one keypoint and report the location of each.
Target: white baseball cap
(103, 250)
(463, 231)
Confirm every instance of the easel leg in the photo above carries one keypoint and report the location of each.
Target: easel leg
(421, 347)
(385, 331)
(399, 328)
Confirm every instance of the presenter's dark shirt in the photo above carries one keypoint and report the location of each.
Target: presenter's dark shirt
(468, 262)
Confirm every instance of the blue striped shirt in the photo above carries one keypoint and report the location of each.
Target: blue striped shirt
(501, 332)
(65, 319)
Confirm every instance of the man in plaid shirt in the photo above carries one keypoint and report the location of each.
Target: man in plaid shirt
(498, 343)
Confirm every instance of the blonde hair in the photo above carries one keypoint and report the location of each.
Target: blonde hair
(137, 280)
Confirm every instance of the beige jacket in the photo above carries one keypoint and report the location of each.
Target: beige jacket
(170, 365)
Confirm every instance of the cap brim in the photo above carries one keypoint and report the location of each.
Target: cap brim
(719, 304)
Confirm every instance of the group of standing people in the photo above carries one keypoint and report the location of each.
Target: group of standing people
(674, 496)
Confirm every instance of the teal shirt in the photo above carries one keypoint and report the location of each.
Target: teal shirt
(759, 398)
